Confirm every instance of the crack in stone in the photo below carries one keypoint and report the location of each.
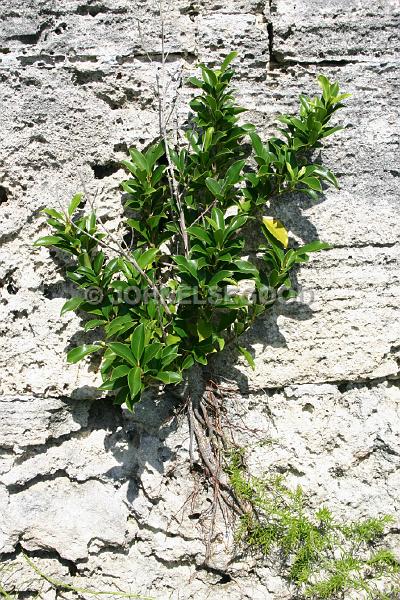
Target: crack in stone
(168, 534)
(48, 553)
(34, 450)
(343, 385)
(366, 245)
(172, 564)
(270, 32)
(283, 62)
(33, 38)
(16, 488)
(142, 56)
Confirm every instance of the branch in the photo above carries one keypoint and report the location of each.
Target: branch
(173, 183)
(128, 257)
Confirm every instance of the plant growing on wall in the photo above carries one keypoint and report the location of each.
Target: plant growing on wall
(189, 209)
(163, 306)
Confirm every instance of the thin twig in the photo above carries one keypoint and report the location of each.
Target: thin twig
(173, 183)
(128, 257)
(121, 249)
(191, 433)
(205, 211)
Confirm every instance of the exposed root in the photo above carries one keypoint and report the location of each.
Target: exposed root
(210, 440)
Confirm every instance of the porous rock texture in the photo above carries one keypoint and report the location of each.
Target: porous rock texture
(104, 498)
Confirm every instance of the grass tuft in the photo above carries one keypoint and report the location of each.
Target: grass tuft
(323, 558)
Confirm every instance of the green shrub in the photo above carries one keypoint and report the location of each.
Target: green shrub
(188, 208)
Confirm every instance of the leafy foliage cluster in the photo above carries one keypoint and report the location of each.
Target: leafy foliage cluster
(188, 209)
(324, 558)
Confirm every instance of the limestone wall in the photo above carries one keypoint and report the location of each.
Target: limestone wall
(100, 494)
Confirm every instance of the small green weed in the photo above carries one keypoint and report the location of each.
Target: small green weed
(324, 558)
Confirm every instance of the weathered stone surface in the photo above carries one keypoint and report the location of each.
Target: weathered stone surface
(129, 510)
(335, 31)
(111, 492)
(68, 518)
(39, 420)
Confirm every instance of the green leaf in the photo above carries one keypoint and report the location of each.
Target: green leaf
(199, 233)
(118, 324)
(189, 266)
(233, 173)
(245, 266)
(108, 361)
(119, 372)
(291, 171)
(123, 351)
(147, 257)
(312, 193)
(218, 216)
(172, 339)
(188, 362)
(221, 343)
(137, 342)
(154, 153)
(80, 352)
(208, 138)
(200, 358)
(330, 131)
(53, 213)
(73, 205)
(111, 384)
(227, 60)
(219, 277)
(93, 323)
(151, 352)
(166, 360)
(48, 240)
(208, 75)
(204, 329)
(325, 85)
(135, 381)
(247, 356)
(274, 278)
(257, 144)
(288, 294)
(327, 175)
(264, 171)
(237, 222)
(168, 377)
(299, 124)
(315, 246)
(72, 304)
(98, 262)
(121, 397)
(277, 230)
(313, 183)
(139, 159)
(214, 186)
(196, 82)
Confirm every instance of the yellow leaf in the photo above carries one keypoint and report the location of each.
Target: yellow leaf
(277, 229)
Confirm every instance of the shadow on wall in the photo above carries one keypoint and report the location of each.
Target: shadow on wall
(137, 441)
